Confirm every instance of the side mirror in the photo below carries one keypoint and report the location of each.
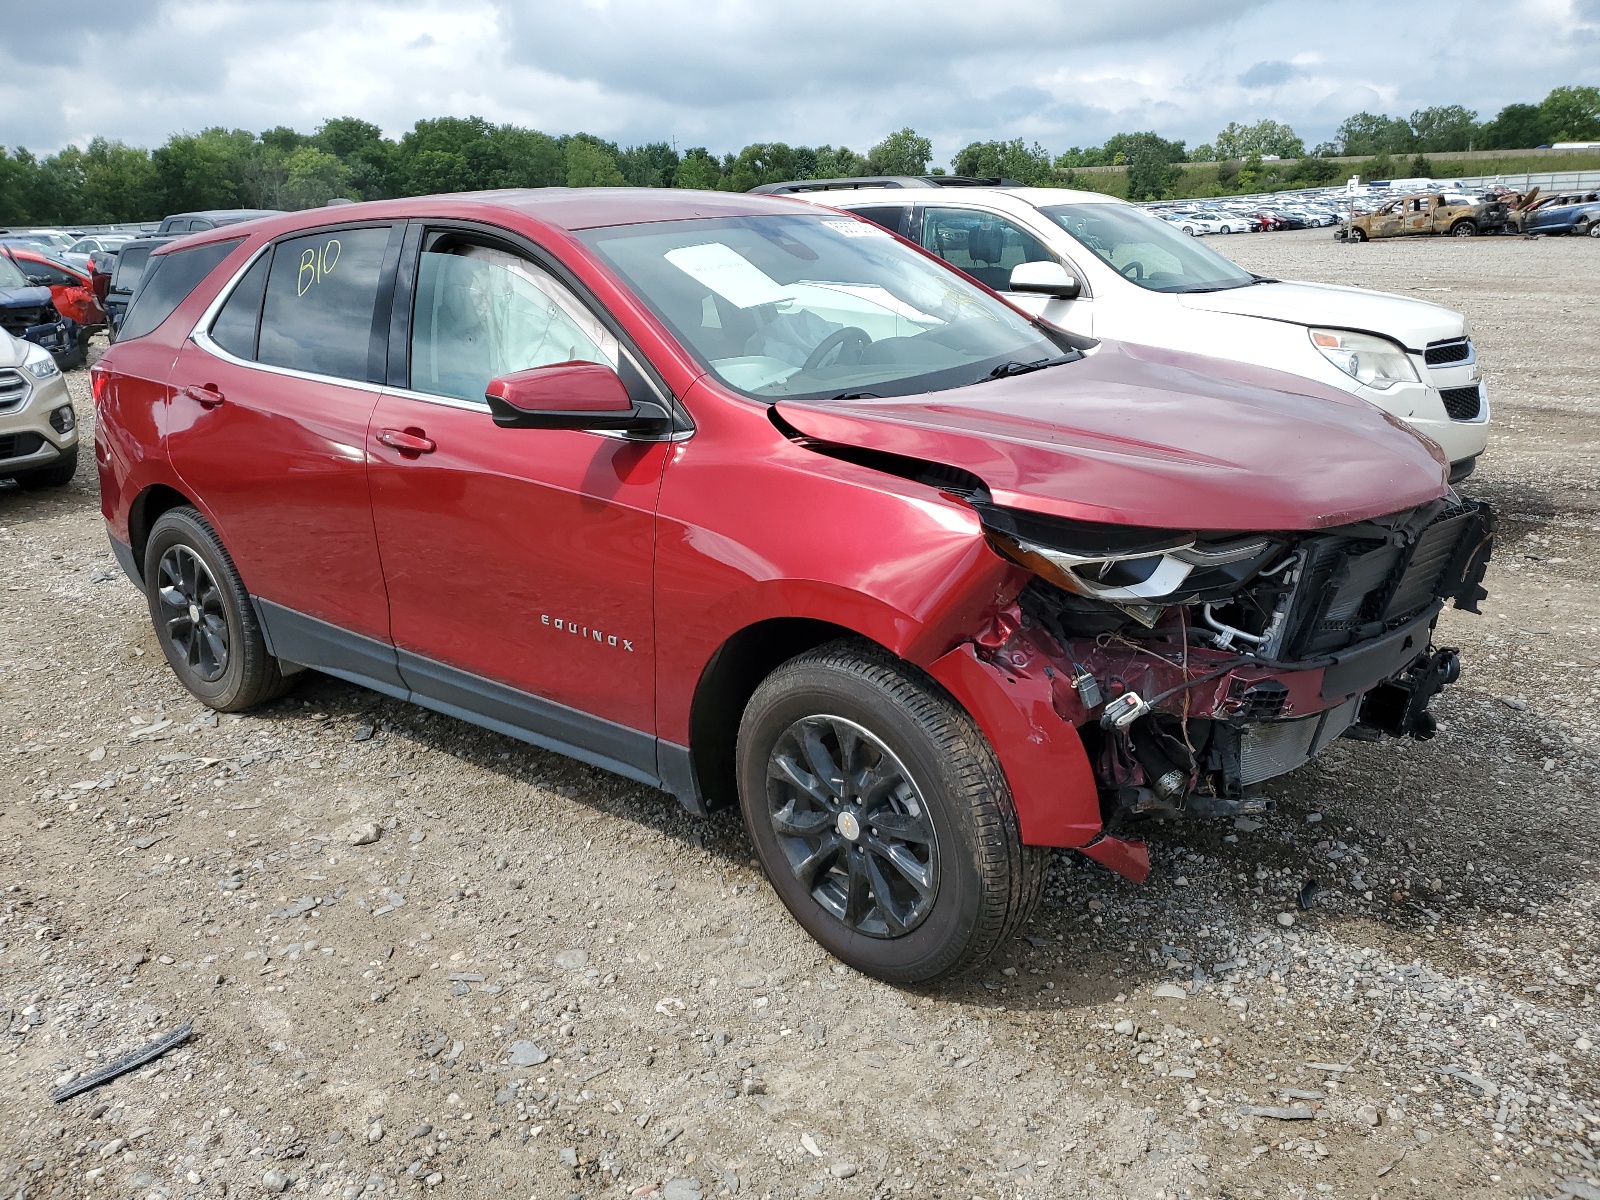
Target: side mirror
(571, 395)
(1045, 279)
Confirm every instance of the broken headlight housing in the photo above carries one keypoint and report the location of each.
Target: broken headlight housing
(1374, 361)
(1127, 566)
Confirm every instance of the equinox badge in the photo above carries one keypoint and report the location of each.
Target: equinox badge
(572, 627)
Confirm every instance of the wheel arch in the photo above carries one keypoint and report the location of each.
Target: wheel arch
(145, 511)
(730, 677)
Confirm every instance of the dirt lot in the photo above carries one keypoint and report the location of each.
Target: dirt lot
(541, 980)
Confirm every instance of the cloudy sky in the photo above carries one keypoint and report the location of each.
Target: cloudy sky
(723, 73)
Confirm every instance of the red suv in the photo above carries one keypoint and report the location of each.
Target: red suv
(759, 504)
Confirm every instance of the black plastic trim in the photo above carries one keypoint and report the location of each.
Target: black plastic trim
(310, 642)
(675, 766)
(1361, 667)
(123, 553)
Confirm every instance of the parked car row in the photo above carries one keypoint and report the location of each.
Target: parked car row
(874, 512)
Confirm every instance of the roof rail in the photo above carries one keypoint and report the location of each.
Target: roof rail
(789, 187)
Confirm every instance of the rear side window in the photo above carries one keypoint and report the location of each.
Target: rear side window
(235, 327)
(167, 283)
(130, 265)
(322, 292)
(890, 217)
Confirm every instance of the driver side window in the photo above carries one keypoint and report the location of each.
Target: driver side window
(481, 312)
(981, 244)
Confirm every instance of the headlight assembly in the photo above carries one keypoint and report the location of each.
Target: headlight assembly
(42, 367)
(1142, 576)
(1374, 361)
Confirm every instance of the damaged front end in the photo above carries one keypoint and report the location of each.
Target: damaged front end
(1197, 666)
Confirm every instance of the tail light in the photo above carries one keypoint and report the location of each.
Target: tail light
(97, 383)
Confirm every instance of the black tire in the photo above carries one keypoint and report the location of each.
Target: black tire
(1594, 229)
(57, 474)
(1359, 235)
(981, 882)
(186, 569)
(1463, 229)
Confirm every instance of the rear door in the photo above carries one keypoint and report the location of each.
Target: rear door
(270, 404)
(518, 561)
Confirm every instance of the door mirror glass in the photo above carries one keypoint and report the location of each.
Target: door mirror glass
(570, 395)
(1046, 279)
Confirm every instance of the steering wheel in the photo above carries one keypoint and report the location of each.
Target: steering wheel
(849, 341)
(1137, 268)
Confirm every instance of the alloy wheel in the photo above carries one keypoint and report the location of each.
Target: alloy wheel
(853, 826)
(192, 613)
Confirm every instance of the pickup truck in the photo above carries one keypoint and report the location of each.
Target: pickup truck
(1423, 214)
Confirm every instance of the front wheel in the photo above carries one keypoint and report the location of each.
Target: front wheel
(1463, 229)
(1594, 229)
(203, 618)
(881, 816)
(1359, 235)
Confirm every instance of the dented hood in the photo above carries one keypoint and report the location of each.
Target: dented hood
(1136, 435)
(1412, 322)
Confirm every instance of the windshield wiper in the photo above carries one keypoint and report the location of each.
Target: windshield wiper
(856, 396)
(1265, 279)
(1007, 369)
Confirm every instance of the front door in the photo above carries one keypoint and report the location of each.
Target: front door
(268, 421)
(518, 561)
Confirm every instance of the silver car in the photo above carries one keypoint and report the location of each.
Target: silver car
(38, 432)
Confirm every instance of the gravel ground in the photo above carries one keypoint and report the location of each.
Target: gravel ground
(420, 957)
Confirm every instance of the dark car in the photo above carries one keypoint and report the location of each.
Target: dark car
(212, 218)
(755, 503)
(126, 272)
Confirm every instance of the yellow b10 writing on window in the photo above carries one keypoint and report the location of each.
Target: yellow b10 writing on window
(316, 263)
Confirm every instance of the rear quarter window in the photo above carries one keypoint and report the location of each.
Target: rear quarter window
(167, 282)
(321, 302)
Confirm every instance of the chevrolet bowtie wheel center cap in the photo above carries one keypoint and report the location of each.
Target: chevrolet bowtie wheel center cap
(849, 825)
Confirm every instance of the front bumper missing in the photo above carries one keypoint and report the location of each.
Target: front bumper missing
(1218, 724)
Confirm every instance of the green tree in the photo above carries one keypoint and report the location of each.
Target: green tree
(651, 165)
(1421, 168)
(1365, 133)
(200, 171)
(760, 162)
(838, 162)
(1265, 137)
(312, 178)
(699, 170)
(1313, 171)
(901, 153)
(1515, 127)
(1093, 156)
(589, 165)
(1444, 129)
(119, 183)
(371, 159)
(1204, 152)
(1572, 114)
(1011, 160)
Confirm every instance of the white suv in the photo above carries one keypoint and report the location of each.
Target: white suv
(1133, 277)
(38, 434)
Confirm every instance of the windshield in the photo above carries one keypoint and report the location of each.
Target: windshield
(1153, 254)
(814, 306)
(10, 276)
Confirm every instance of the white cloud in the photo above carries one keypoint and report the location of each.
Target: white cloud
(727, 72)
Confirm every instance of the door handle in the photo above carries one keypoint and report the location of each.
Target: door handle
(204, 394)
(410, 442)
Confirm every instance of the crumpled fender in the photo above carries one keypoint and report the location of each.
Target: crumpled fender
(1052, 783)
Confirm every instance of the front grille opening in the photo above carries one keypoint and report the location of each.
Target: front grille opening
(13, 389)
(1440, 354)
(1462, 403)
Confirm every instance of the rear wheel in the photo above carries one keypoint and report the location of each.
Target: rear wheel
(57, 474)
(1594, 229)
(1463, 229)
(203, 618)
(881, 815)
